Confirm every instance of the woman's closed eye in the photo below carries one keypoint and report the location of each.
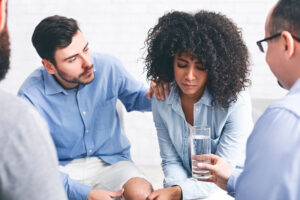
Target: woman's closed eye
(201, 68)
(181, 65)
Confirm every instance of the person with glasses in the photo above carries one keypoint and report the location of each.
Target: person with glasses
(260, 42)
(197, 54)
(272, 166)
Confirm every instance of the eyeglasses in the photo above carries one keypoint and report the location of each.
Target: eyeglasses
(261, 47)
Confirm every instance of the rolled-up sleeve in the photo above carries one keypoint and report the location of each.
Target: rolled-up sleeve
(74, 189)
(231, 184)
(131, 92)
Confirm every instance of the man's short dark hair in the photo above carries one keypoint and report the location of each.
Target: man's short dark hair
(52, 33)
(285, 16)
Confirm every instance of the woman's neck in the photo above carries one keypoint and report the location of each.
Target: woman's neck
(191, 98)
(187, 103)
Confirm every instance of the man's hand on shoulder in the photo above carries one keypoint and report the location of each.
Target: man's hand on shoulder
(96, 194)
(159, 89)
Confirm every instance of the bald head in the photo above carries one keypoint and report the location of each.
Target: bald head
(285, 15)
(283, 53)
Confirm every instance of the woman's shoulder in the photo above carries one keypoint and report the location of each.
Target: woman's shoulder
(243, 98)
(241, 105)
(159, 103)
(164, 105)
(243, 101)
(169, 98)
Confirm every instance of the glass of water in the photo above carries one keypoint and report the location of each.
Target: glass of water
(200, 144)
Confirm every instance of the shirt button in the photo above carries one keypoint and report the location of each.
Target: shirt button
(86, 131)
(83, 112)
(90, 150)
(197, 109)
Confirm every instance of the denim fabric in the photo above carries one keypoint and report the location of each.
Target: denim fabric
(230, 128)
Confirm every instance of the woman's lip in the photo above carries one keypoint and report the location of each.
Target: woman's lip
(188, 85)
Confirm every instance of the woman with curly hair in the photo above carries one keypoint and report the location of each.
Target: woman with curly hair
(204, 58)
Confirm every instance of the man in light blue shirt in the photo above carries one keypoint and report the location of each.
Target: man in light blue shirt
(76, 92)
(272, 166)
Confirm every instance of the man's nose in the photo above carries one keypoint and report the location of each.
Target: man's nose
(87, 61)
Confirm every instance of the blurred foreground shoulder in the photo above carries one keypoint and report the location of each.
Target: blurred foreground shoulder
(28, 166)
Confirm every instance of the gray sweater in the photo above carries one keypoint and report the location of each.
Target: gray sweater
(28, 160)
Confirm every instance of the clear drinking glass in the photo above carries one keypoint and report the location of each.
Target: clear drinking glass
(200, 144)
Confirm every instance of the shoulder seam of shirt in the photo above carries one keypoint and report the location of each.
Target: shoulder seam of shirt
(278, 107)
(30, 86)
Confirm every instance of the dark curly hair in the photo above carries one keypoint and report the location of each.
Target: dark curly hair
(210, 36)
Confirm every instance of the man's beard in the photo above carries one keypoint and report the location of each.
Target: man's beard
(75, 80)
(279, 83)
(4, 53)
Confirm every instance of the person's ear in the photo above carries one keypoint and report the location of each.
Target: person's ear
(289, 44)
(49, 66)
(3, 14)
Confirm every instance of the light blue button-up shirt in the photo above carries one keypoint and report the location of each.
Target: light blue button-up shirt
(83, 121)
(272, 166)
(230, 128)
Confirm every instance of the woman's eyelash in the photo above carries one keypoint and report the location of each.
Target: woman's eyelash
(181, 66)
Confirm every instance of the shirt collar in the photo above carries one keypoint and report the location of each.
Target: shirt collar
(174, 96)
(206, 98)
(295, 87)
(51, 85)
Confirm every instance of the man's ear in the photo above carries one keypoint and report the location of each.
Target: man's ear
(49, 66)
(289, 44)
(3, 14)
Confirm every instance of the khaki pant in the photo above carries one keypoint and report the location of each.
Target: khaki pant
(94, 172)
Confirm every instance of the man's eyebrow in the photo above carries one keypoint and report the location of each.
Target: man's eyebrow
(70, 57)
(74, 55)
(87, 44)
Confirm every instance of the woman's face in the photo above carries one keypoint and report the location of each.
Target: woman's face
(190, 74)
